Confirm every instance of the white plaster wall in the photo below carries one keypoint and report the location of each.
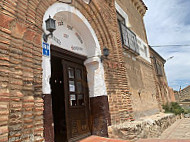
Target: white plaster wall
(65, 35)
(46, 66)
(96, 80)
(141, 49)
(95, 75)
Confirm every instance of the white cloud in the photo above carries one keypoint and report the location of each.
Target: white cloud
(167, 22)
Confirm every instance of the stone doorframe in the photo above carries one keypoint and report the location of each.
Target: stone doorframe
(94, 66)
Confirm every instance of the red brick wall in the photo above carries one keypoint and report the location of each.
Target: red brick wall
(20, 65)
(139, 71)
(20, 77)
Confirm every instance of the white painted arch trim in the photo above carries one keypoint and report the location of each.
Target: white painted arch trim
(95, 69)
(61, 7)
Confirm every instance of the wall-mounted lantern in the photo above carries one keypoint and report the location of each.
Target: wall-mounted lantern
(87, 1)
(50, 26)
(105, 53)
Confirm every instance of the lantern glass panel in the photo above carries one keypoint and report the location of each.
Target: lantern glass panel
(87, 1)
(52, 24)
(47, 25)
(106, 52)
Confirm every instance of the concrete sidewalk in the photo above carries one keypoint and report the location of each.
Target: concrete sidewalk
(159, 140)
(179, 130)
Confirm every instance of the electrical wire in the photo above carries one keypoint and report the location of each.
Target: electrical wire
(170, 45)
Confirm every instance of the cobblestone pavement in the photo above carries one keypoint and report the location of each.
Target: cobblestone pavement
(179, 130)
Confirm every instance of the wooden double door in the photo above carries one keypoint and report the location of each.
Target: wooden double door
(70, 98)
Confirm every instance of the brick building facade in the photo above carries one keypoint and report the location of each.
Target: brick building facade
(184, 97)
(71, 93)
(185, 94)
(137, 60)
(165, 94)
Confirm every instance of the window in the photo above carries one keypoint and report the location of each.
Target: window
(159, 69)
(76, 86)
(120, 20)
(128, 38)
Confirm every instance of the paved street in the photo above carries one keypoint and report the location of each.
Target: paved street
(179, 130)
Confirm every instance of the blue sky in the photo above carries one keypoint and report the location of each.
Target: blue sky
(168, 23)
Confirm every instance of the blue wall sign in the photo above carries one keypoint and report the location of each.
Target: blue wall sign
(45, 49)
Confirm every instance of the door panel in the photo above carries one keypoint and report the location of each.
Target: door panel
(58, 98)
(76, 100)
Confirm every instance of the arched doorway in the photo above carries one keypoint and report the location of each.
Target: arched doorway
(70, 96)
(72, 68)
